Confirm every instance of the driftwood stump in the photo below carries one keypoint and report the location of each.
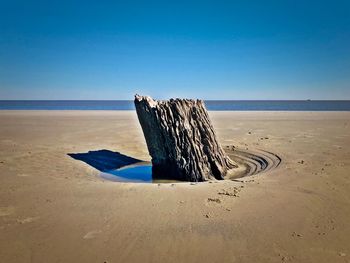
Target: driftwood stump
(181, 140)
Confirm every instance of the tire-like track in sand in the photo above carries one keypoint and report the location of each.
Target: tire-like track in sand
(252, 162)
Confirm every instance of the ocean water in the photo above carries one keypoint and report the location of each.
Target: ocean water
(213, 105)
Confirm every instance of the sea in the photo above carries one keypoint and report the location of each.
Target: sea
(211, 105)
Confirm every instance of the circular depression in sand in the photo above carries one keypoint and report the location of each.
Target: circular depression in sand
(250, 162)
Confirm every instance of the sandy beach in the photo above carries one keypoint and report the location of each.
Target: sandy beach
(54, 208)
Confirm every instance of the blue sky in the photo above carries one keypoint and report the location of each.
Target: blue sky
(197, 49)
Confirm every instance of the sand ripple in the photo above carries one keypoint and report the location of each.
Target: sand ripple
(253, 162)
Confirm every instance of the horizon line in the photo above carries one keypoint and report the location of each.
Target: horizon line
(177, 98)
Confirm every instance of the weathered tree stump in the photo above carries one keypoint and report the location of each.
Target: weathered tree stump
(181, 140)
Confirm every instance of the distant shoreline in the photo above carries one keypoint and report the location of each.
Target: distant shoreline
(212, 105)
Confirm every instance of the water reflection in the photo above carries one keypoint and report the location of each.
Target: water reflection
(139, 172)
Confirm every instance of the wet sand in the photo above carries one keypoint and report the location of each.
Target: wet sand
(54, 208)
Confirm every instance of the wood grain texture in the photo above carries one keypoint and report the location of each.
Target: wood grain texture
(181, 140)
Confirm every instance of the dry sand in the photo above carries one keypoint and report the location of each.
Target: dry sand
(57, 209)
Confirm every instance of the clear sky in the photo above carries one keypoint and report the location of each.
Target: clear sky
(198, 49)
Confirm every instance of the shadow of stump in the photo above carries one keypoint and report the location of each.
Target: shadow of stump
(105, 160)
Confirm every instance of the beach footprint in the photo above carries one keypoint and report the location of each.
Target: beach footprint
(7, 210)
(92, 234)
(23, 175)
(27, 220)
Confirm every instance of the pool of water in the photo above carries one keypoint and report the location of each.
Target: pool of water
(136, 173)
(250, 162)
